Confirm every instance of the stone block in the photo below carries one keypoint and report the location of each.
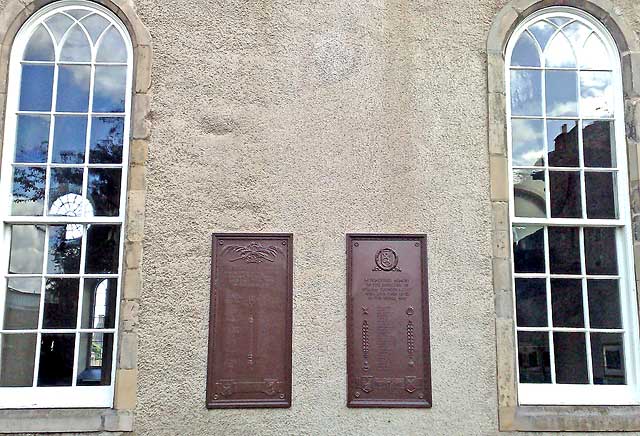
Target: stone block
(126, 389)
(499, 178)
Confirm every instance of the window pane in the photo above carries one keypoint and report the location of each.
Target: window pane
(17, 359)
(542, 31)
(69, 139)
(564, 250)
(533, 357)
(94, 359)
(27, 249)
(22, 303)
(531, 302)
(561, 93)
(95, 25)
(601, 255)
(566, 303)
(109, 94)
(562, 140)
(565, 194)
(64, 181)
(64, 250)
(59, 23)
(596, 94)
(76, 47)
(32, 138)
(28, 191)
(595, 55)
(607, 353)
(103, 190)
(39, 47)
(527, 139)
(604, 304)
(56, 359)
(528, 249)
(61, 303)
(526, 93)
(525, 53)
(576, 33)
(571, 358)
(99, 303)
(559, 53)
(36, 87)
(112, 48)
(73, 88)
(107, 135)
(529, 193)
(601, 198)
(103, 243)
(598, 140)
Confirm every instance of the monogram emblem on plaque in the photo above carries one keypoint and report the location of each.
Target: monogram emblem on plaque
(410, 384)
(253, 253)
(367, 383)
(386, 260)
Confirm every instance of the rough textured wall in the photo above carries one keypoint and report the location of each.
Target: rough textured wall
(318, 117)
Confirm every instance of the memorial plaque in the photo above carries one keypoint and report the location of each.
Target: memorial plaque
(388, 321)
(250, 321)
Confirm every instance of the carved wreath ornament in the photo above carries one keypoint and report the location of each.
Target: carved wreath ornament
(253, 253)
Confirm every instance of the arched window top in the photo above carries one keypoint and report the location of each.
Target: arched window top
(561, 39)
(77, 32)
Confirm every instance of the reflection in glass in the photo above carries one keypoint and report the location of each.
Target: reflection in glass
(566, 303)
(103, 191)
(109, 90)
(36, 87)
(28, 191)
(64, 250)
(99, 303)
(601, 256)
(601, 199)
(59, 23)
(32, 139)
(112, 48)
(531, 302)
(76, 47)
(577, 33)
(565, 196)
(22, 303)
(74, 80)
(69, 139)
(596, 94)
(597, 137)
(94, 359)
(528, 249)
(27, 249)
(106, 140)
(561, 93)
(526, 92)
(78, 14)
(542, 32)
(594, 55)
(527, 139)
(95, 25)
(533, 357)
(559, 53)
(562, 140)
(64, 181)
(40, 46)
(56, 359)
(103, 243)
(571, 358)
(604, 304)
(525, 53)
(564, 250)
(559, 21)
(61, 303)
(17, 359)
(529, 193)
(607, 354)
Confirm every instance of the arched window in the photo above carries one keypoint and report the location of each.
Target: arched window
(576, 316)
(62, 196)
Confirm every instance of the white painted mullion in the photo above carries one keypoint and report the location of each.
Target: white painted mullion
(43, 283)
(547, 268)
(585, 307)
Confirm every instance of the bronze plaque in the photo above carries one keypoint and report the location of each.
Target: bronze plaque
(388, 321)
(250, 321)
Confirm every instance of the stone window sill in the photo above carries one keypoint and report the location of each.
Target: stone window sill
(65, 420)
(570, 418)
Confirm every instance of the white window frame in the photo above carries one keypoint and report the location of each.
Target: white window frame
(572, 394)
(72, 396)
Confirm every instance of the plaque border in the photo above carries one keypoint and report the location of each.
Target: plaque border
(353, 402)
(257, 403)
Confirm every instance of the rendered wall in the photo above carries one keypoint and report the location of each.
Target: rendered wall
(318, 118)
